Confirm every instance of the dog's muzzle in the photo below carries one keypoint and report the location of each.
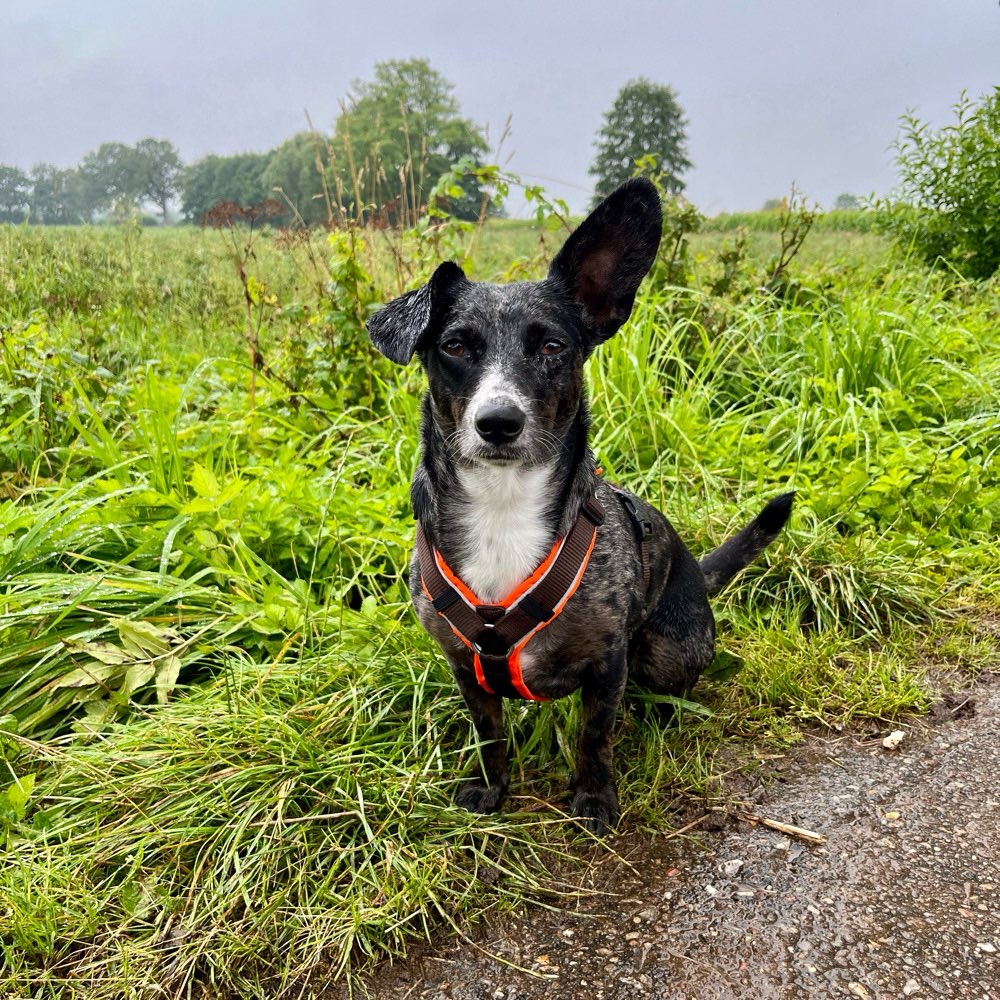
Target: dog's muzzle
(500, 423)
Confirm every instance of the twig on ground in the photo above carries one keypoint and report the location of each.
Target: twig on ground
(787, 828)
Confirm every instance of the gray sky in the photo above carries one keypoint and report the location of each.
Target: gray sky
(776, 91)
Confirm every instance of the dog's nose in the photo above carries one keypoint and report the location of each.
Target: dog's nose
(500, 423)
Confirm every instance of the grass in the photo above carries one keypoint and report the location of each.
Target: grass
(228, 749)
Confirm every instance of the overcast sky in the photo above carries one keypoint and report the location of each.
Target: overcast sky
(775, 91)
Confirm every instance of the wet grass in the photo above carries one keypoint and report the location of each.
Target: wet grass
(230, 751)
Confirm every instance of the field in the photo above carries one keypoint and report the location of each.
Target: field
(228, 749)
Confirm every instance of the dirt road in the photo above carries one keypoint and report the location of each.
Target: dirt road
(902, 899)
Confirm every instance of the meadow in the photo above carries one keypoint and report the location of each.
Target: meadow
(228, 750)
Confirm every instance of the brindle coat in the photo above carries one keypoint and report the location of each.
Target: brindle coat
(529, 342)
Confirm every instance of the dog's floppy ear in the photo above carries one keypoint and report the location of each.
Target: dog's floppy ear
(398, 327)
(605, 259)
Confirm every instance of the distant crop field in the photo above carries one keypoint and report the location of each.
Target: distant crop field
(229, 752)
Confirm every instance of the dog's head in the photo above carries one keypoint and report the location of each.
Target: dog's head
(505, 362)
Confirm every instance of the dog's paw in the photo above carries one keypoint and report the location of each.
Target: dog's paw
(478, 797)
(596, 812)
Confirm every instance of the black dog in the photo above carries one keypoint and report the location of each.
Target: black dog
(534, 575)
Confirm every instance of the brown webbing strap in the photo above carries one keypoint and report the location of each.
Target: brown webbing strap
(643, 530)
(493, 631)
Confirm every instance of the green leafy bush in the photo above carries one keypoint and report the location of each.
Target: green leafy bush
(947, 208)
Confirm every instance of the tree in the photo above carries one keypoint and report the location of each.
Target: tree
(58, 197)
(111, 176)
(847, 202)
(157, 168)
(213, 179)
(948, 201)
(294, 176)
(15, 194)
(644, 123)
(118, 175)
(397, 136)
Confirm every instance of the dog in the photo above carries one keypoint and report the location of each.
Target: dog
(534, 575)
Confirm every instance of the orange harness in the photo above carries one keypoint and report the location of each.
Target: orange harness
(496, 633)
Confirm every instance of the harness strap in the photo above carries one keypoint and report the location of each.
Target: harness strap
(496, 633)
(643, 530)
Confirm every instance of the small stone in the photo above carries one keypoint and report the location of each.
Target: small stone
(892, 741)
(731, 867)
(859, 991)
(911, 987)
(711, 890)
(986, 946)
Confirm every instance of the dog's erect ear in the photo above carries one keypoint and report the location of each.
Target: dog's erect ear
(397, 328)
(605, 259)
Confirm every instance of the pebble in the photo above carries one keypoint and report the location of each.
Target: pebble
(888, 898)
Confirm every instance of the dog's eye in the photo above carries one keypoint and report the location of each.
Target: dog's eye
(552, 347)
(454, 348)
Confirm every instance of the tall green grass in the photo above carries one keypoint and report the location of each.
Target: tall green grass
(229, 750)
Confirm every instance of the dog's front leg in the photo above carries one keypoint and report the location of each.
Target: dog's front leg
(595, 798)
(485, 793)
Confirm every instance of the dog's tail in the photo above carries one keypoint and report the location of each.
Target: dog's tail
(723, 563)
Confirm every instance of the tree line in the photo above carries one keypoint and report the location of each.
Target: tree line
(396, 137)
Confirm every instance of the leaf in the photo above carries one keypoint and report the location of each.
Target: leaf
(144, 639)
(669, 699)
(138, 674)
(199, 505)
(96, 714)
(724, 666)
(130, 896)
(93, 675)
(167, 671)
(18, 793)
(103, 652)
(203, 481)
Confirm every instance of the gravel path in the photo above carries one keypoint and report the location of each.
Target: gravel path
(903, 899)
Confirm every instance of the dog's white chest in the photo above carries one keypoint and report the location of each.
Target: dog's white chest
(503, 536)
